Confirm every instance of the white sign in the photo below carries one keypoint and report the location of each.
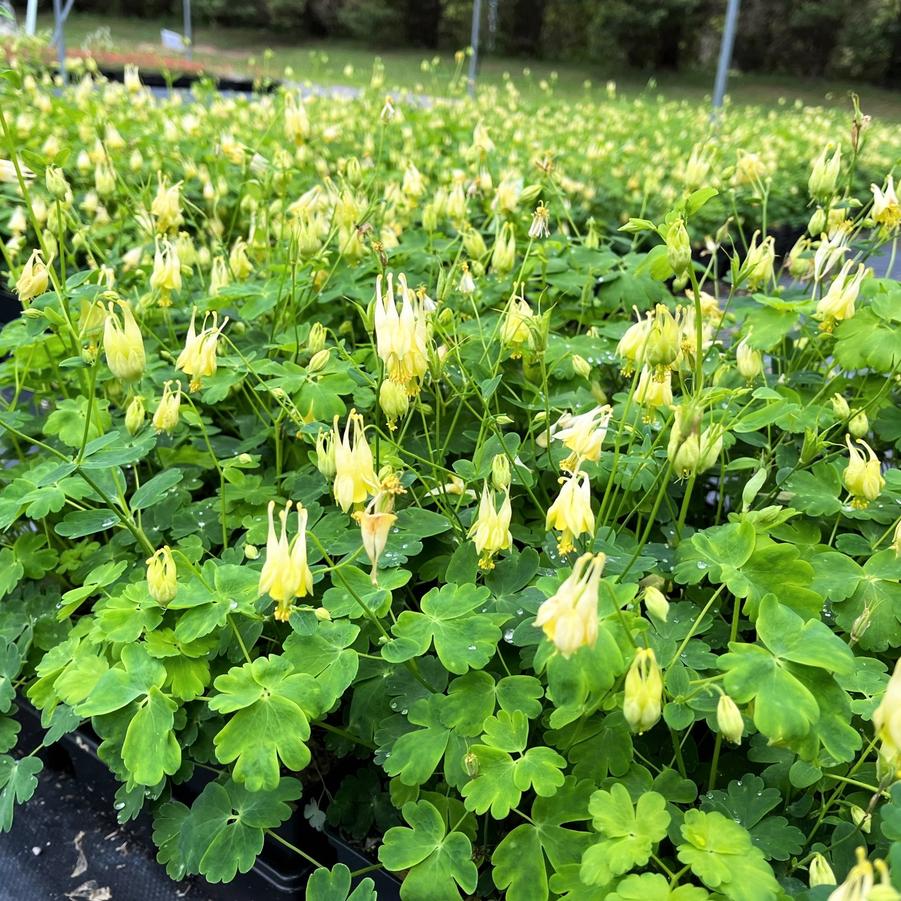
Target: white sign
(172, 40)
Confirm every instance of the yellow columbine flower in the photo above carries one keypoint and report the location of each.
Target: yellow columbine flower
(123, 343)
(837, 304)
(862, 477)
(198, 358)
(166, 275)
(886, 208)
(166, 205)
(355, 478)
(162, 576)
(516, 331)
(286, 574)
(633, 343)
(860, 883)
(582, 434)
(571, 513)
(887, 716)
(374, 529)
(402, 336)
(748, 360)
(820, 873)
(655, 390)
(34, 278)
(643, 697)
(759, 261)
(490, 531)
(165, 419)
(569, 618)
(503, 256)
(238, 261)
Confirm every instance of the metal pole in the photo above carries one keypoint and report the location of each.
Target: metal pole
(188, 31)
(31, 18)
(59, 36)
(474, 45)
(726, 45)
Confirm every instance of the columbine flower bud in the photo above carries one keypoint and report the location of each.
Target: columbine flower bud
(824, 175)
(325, 454)
(374, 529)
(474, 244)
(166, 275)
(500, 472)
(319, 360)
(729, 720)
(165, 419)
(840, 408)
(571, 513)
(820, 872)
(817, 224)
(238, 261)
(123, 343)
(748, 360)
(34, 278)
(251, 551)
(861, 819)
(861, 624)
(135, 415)
(516, 331)
(503, 256)
(655, 603)
(858, 424)
(219, 276)
(355, 478)
(643, 697)
(490, 530)
(162, 576)
(569, 618)
(56, 182)
(394, 401)
(678, 248)
(862, 477)
(581, 366)
(316, 338)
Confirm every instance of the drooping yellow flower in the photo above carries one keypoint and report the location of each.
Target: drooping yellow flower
(860, 883)
(824, 174)
(571, 513)
(123, 343)
(504, 254)
(862, 476)
(569, 618)
(286, 574)
(166, 275)
(402, 336)
(633, 343)
(166, 205)
(490, 531)
(887, 716)
(886, 208)
(34, 278)
(162, 576)
(643, 697)
(238, 261)
(355, 478)
(820, 873)
(655, 390)
(583, 434)
(837, 304)
(748, 360)
(165, 419)
(516, 325)
(198, 357)
(374, 529)
(758, 266)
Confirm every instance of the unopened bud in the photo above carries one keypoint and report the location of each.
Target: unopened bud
(135, 415)
(858, 424)
(500, 472)
(860, 625)
(840, 407)
(817, 223)
(393, 399)
(861, 818)
(56, 182)
(581, 366)
(316, 339)
(251, 551)
(319, 360)
(322, 614)
(820, 872)
(729, 720)
(655, 603)
(678, 248)
(471, 764)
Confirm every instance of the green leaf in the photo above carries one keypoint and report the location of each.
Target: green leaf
(463, 638)
(519, 865)
(415, 756)
(151, 750)
(11, 571)
(630, 833)
(272, 707)
(720, 853)
(437, 862)
(78, 523)
(18, 781)
(136, 674)
(154, 489)
(327, 656)
(748, 801)
(654, 887)
(223, 832)
(334, 885)
(10, 664)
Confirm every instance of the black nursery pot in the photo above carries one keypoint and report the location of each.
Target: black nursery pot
(278, 871)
